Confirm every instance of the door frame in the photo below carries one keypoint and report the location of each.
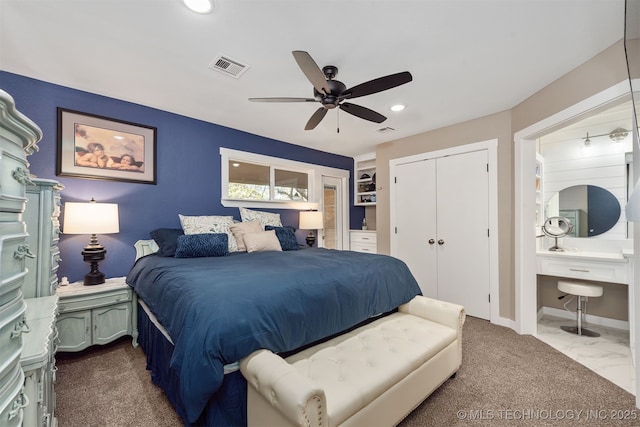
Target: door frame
(525, 291)
(492, 157)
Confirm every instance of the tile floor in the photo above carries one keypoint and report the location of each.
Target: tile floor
(608, 355)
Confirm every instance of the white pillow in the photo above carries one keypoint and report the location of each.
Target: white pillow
(240, 228)
(265, 218)
(262, 241)
(209, 224)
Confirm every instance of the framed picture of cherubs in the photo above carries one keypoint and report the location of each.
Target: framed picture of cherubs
(96, 147)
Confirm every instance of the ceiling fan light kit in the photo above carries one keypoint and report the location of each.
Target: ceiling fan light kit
(333, 93)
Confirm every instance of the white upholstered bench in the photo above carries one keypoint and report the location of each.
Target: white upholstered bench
(374, 375)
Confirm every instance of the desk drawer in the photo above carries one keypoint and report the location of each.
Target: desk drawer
(601, 271)
(76, 303)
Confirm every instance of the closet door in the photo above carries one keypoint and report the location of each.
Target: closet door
(415, 222)
(463, 226)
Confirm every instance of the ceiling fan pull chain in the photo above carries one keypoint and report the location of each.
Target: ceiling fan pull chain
(338, 128)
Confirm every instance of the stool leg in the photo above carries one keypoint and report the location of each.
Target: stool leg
(578, 329)
(579, 311)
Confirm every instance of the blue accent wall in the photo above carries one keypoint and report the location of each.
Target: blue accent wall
(188, 169)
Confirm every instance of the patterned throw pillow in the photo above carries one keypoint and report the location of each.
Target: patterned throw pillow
(209, 224)
(262, 241)
(265, 218)
(202, 245)
(286, 236)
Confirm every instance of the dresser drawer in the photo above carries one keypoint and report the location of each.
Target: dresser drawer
(363, 247)
(12, 326)
(76, 303)
(12, 399)
(597, 270)
(10, 286)
(363, 237)
(13, 248)
(14, 174)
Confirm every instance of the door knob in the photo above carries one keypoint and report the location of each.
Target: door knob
(441, 242)
(431, 241)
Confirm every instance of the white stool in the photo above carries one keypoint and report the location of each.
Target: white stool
(580, 289)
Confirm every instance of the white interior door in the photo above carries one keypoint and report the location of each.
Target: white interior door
(415, 222)
(463, 232)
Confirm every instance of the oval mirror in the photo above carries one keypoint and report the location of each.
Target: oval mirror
(592, 210)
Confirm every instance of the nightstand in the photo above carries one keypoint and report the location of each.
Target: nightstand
(96, 314)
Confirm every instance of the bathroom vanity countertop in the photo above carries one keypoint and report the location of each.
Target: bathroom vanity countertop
(606, 256)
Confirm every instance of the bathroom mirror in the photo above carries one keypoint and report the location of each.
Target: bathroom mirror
(592, 210)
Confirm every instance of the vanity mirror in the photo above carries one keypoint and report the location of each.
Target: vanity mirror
(556, 227)
(591, 209)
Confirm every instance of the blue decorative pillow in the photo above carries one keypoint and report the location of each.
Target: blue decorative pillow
(167, 240)
(202, 245)
(286, 235)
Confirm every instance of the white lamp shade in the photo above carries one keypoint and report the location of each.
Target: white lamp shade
(311, 220)
(90, 218)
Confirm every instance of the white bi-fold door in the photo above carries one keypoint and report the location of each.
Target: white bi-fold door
(441, 230)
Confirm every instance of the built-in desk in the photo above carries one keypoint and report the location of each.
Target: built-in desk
(611, 267)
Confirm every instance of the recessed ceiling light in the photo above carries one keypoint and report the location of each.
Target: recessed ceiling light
(398, 107)
(199, 6)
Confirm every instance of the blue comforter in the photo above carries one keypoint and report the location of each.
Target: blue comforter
(219, 310)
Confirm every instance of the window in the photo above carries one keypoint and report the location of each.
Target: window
(250, 179)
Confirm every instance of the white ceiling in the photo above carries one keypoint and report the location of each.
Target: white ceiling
(468, 58)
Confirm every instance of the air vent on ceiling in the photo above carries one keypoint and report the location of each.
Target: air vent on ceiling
(386, 129)
(229, 66)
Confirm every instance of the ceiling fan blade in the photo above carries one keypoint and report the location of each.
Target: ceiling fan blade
(316, 118)
(282, 99)
(362, 112)
(377, 85)
(312, 71)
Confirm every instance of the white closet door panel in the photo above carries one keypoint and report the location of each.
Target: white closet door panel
(463, 224)
(415, 210)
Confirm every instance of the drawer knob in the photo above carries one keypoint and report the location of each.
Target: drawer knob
(22, 176)
(441, 242)
(23, 252)
(431, 241)
(21, 402)
(20, 328)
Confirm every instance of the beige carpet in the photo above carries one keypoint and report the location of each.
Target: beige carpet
(505, 380)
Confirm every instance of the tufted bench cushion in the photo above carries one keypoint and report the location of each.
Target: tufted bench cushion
(360, 375)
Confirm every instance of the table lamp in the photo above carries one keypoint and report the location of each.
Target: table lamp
(311, 220)
(91, 218)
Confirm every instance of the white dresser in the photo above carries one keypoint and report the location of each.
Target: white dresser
(363, 241)
(39, 363)
(41, 216)
(18, 138)
(96, 314)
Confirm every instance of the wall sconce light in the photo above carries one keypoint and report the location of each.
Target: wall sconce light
(616, 135)
(311, 220)
(91, 218)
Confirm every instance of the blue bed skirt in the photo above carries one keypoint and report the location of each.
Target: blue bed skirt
(228, 407)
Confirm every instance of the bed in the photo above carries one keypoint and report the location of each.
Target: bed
(198, 317)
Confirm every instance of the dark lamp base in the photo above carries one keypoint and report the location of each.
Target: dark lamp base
(93, 254)
(311, 239)
(94, 278)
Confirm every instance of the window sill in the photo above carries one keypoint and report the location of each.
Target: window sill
(271, 204)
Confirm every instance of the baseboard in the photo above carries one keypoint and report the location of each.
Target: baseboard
(503, 321)
(594, 320)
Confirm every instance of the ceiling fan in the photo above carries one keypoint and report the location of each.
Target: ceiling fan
(332, 93)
